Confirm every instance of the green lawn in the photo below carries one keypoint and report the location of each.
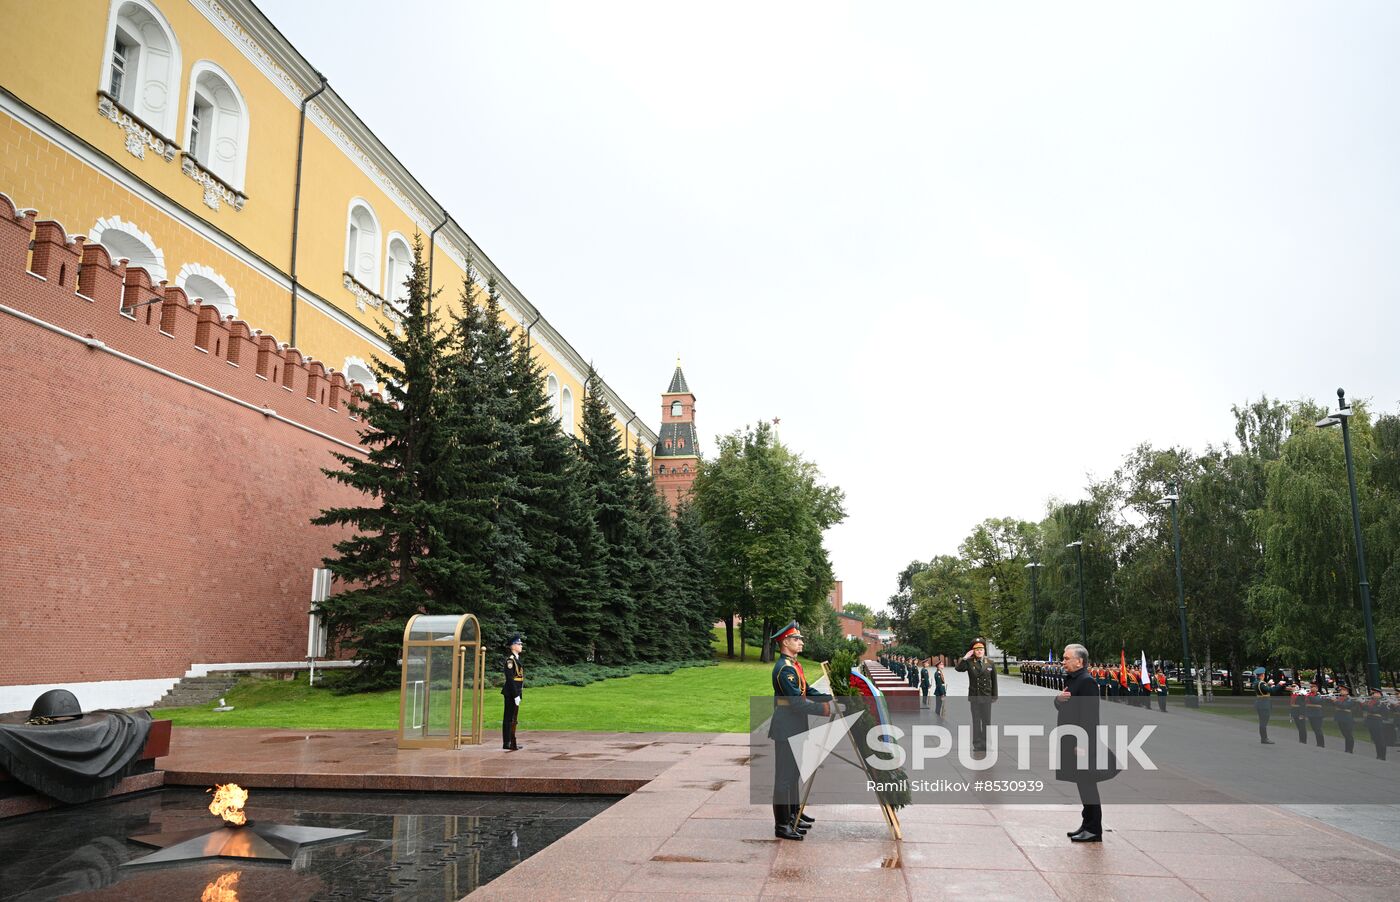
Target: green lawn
(696, 699)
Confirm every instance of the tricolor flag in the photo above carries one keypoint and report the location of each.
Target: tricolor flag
(1146, 674)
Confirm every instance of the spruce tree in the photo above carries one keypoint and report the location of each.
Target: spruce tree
(566, 571)
(397, 558)
(479, 480)
(605, 471)
(660, 603)
(693, 579)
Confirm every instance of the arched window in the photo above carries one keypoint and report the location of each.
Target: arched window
(397, 264)
(203, 283)
(362, 244)
(125, 240)
(668, 444)
(685, 469)
(551, 388)
(141, 65)
(566, 410)
(680, 443)
(216, 132)
(356, 370)
(675, 408)
(661, 470)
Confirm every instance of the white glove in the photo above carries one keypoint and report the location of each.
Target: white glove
(517, 701)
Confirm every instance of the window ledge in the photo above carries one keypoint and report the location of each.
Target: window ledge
(217, 192)
(140, 135)
(364, 297)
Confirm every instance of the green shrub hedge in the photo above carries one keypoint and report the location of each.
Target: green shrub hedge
(583, 674)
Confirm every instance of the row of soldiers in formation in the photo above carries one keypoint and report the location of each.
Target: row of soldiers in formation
(1114, 683)
(1310, 704)
(915, 672)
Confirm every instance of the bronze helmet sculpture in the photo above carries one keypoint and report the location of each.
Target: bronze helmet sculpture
(55, 705)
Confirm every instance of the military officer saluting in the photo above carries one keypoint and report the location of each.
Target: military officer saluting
(981, 690)
(513, 688)
(793, 702)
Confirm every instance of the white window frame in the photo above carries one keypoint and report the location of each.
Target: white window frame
(391, 291)
(154, 266)
(233, 172)
(368, 382)
(363, 243)
(139, 73)
(551, 388)
(566, 406)
(228, 304)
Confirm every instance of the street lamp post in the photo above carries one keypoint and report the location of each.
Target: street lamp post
(1172, 498)
(1035, 607)
(1078, 546)
(1341, 415)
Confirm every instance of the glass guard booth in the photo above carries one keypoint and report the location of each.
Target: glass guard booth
(443, 673)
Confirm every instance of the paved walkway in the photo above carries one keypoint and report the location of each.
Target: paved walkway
(688, 829)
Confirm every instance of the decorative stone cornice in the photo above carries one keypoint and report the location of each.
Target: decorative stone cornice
(364, 297)
(139, 135)
(216, 190)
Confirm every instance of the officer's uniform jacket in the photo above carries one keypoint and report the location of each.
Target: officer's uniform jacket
(793, 700)
(981, 677)
(514, 685)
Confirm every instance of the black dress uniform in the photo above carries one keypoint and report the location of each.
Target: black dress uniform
(514, 690)
(1375, 710)
(793, 702)
(1344, 712)
(1314, 712)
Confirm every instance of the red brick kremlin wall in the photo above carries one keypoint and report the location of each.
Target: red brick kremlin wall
(146, 524)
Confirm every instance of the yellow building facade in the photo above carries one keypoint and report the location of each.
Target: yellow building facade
(189, 137)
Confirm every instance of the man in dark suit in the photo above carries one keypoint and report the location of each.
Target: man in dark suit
(1078, 705)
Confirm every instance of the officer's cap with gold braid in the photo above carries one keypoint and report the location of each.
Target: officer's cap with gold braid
(786, 631)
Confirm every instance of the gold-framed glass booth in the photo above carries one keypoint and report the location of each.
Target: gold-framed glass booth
(443, 673)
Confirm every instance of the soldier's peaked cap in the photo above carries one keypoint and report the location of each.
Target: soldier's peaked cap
(977, 642)
(786, 631)
(517, 638)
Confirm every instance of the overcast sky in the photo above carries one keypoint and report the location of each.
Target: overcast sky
(969, 253)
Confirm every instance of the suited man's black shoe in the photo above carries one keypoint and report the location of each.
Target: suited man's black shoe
(1070, 833)
(1086, 836)
(806, 819)
(783, 831)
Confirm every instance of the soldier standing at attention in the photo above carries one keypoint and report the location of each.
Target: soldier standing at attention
(1264, 709)
(923, 683)
(1344, 712)
(940, 688)
(1161, 690)
(1295, 712)
(1312, 710)
(1374, 708)
(793, 702)
(513, 688)
(981, 690)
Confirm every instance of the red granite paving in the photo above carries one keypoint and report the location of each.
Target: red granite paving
(688, 830)
(602, 763)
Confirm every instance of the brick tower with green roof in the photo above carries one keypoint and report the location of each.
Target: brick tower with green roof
(677, 450)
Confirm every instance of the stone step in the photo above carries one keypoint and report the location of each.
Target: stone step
(192, 691)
